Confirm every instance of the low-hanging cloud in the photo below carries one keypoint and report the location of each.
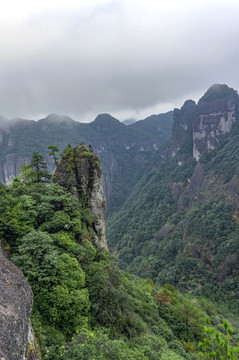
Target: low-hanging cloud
(115, 57)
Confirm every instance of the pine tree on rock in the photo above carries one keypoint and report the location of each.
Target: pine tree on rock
(54, 149)
(39, 168)
(35, 172)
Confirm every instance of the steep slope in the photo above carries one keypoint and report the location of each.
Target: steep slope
(180, 224)
(181, 137)
(158, 126)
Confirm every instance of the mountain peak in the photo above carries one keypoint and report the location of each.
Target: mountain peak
(188, 103)
(201, 127)
(57, 117)
(105, 118)
(217, 91)
(105, 123)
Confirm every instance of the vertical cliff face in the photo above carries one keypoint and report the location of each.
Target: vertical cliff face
(182, 127)
(10, 169)
(16, 298)
(201, 127)
(80, 173)
(216, 114)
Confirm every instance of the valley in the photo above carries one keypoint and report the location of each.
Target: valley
(160, 281)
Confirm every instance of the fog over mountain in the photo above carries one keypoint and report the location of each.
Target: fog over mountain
(130, 59)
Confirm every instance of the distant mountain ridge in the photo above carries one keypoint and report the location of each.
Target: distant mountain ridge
(121, 148)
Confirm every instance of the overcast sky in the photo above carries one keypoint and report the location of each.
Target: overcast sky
(129, 58)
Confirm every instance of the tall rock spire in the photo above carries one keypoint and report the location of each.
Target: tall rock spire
(80, 173)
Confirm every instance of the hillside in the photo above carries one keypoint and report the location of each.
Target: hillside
(180, 224)
(84, 306)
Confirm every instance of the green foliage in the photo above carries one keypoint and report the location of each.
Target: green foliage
(223, 161)
(17, 215)
(49, 269)
(183, 230)
(77, 287)
(217, 345)
(38, 168)
(35, 172)
(54, 149)
(57, 281)
(133, 230)
(98, 345)
(211, 220)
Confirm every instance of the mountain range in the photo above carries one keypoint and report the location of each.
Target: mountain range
(125, 151)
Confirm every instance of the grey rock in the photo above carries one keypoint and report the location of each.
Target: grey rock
(80, 173)
(182, 127)
(16, 335)
(213, 122)
(203, 126)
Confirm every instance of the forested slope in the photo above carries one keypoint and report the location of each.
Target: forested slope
(180, 224)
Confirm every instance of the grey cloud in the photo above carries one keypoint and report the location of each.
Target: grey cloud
(108, 60)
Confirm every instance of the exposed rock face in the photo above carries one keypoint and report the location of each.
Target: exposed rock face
(9, 169)
(182, 127)
(16, 297)
(201, 127)
(80, 173)
(215, 119)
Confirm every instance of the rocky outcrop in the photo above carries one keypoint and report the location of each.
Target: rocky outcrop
(80, 173)
(216, 114)
(182, 127)
(16, 335)
(203, 126)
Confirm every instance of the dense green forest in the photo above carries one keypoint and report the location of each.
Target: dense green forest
(179, 230)
(84, 306)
